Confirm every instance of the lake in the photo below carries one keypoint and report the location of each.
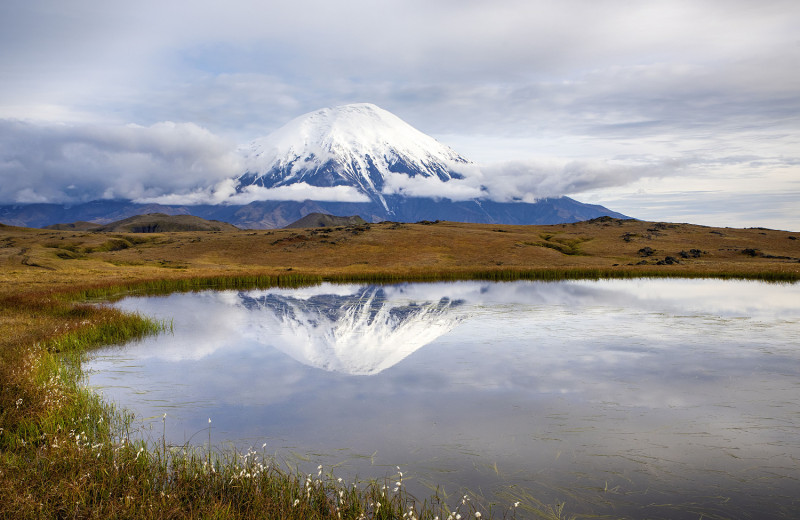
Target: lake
(641, 398)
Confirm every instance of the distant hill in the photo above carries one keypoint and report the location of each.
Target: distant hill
(313, 220)
(277, 214)
(150, 223)
(80, 225)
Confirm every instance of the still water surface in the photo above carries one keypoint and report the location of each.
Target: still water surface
(639, 398)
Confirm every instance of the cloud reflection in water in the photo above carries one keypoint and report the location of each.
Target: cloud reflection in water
(635, 382)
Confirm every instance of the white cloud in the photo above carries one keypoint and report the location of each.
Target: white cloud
(166, 163)
(225, 193)
(299, 191)
(588, 81)
(527, 181)
(42, 162)
(455, 189)
(170, 163)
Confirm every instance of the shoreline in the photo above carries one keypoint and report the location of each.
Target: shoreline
(47, 326)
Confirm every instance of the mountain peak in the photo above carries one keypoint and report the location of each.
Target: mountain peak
(357, 145)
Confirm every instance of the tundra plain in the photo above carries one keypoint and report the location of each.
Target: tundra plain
(64, 453)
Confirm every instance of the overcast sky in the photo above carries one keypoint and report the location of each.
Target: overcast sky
(664, 110)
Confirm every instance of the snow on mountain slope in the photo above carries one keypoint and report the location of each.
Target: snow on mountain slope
(356, 145)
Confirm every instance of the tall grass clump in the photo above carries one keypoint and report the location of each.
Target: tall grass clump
(111, 292)
(103, 326)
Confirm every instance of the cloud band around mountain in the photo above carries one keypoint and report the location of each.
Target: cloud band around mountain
(527, 181)
(183, 163)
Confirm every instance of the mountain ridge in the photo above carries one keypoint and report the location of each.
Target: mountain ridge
(148, 223)
(277, 214)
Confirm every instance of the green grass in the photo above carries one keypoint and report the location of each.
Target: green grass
(112, 292)
(64, 453)
(80, 462)
(119, 329)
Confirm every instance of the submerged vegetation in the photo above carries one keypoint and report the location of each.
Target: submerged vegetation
(64, 453)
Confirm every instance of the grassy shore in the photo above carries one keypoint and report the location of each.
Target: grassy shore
(66, 454)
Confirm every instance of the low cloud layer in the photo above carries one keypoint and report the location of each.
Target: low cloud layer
(225, 193)
(172, 163)
(78, 163)
(527, 181)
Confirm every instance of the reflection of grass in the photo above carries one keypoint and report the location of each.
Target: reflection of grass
(64, 453)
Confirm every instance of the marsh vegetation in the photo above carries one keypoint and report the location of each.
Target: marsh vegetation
(556, 390)
(64, 453)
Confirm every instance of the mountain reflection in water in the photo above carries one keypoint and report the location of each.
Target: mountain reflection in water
(634, 398)
(362, 333)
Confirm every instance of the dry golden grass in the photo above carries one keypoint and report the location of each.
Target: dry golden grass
(42, 260)
(43, 272)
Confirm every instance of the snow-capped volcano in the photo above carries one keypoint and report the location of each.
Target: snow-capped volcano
(357, 145)
(348, 160)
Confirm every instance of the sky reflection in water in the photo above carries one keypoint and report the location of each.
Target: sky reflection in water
(616, 396)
